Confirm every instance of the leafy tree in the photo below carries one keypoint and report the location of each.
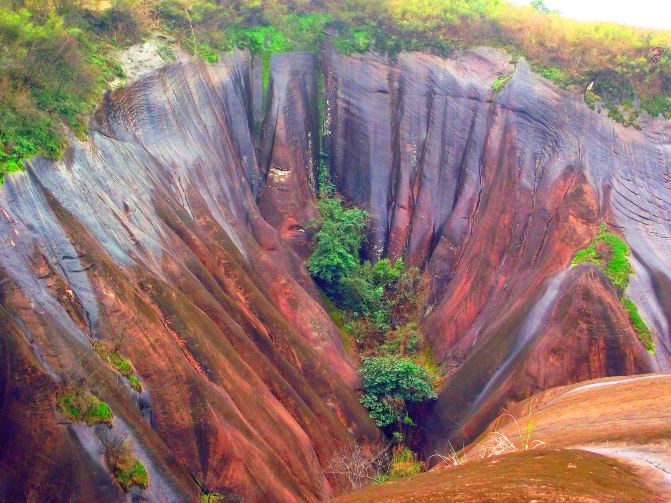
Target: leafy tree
(390, 384)
(540, 6)
(363, 290)
(338, 241)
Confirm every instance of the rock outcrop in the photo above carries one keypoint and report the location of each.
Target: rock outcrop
(602, 440)
(494, 193)
(149, 233)
(180, 228)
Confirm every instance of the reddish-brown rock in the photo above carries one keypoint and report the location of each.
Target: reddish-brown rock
(495, 193)
(151, 230)
(602, 440)
(291, 147)
(180, 225)
(572, 331)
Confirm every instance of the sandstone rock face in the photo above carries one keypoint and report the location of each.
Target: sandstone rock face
(494, 193)
(150, 232)
(179, 227)
(398, 137)
(291, 146)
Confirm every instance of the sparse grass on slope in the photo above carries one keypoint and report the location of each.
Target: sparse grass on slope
(610, 253)
(81, 405)
(639, 325)
(119, 362)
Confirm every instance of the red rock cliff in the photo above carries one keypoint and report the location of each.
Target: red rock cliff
(151, 229)
(180, 228)
(494, 193)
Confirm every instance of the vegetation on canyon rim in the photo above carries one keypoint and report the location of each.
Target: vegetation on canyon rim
(610, 253)
(59, 57)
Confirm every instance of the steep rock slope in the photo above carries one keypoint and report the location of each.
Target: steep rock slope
(181, 232)
(149, 233)
(495, 192)
(290, 146)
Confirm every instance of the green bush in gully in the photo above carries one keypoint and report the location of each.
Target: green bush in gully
(378, 304)
(390, 384)
(610, 253)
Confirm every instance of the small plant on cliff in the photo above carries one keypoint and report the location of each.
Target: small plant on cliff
(610, 253)
(119, 362)
(500, 83)
(639, 325)
(127, 470)
(358, 466)
(390, 385)
(404, 463)
(81, 405)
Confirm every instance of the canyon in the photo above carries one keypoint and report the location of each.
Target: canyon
(182, 224)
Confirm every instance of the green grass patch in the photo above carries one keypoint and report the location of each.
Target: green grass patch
(131, 472)
(610, 253)
(404, 463)
(641, 328)
(81, 405)
(119, 362)
(500, 83)
(554, 74)
(212, 498)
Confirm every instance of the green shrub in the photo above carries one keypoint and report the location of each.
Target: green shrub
(363, 289)
(500, 82)
(80, 405)
(356, 39)
(131, 472)
(639, 325)
(591, 99)
(610, 253)
(338, 241)
(658, 105)
(324, 183)
(403, 464)
(389, 385)
(554, 74)
(373, 300)
(403, 340)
